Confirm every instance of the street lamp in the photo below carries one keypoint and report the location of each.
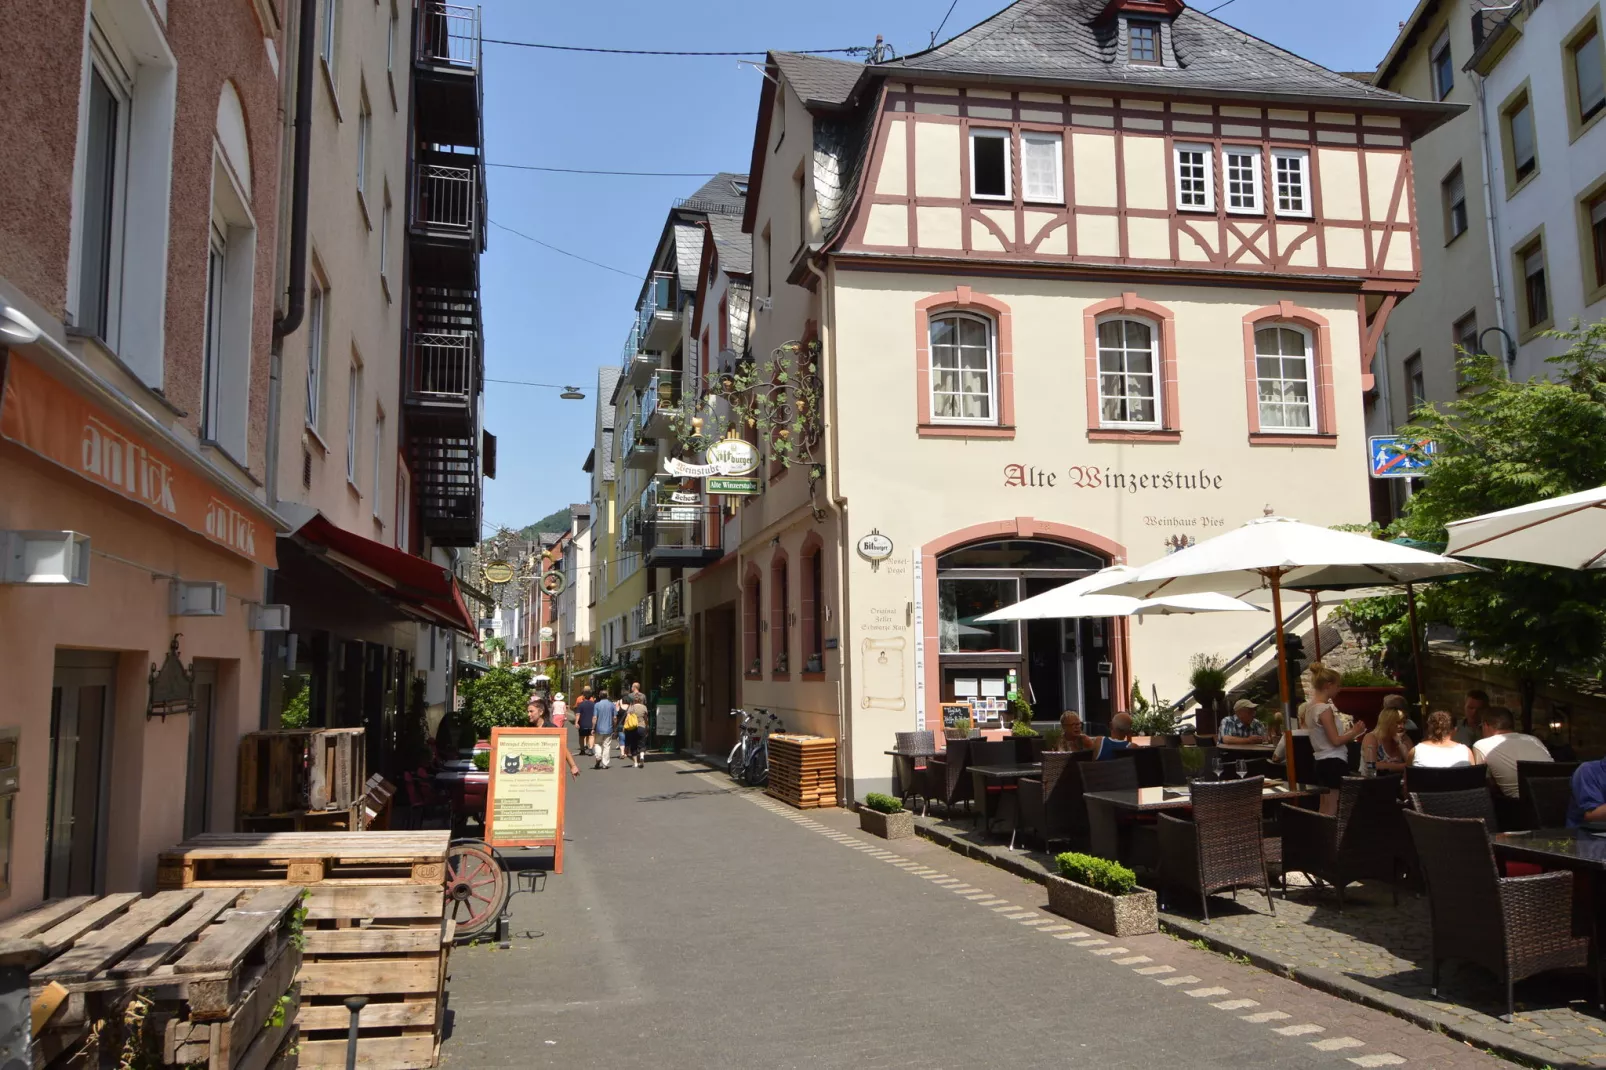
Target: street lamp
(572, 393)
(1508, 352)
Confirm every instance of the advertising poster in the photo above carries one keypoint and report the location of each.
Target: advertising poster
(525, 808)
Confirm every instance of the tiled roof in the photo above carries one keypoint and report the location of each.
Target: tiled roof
(735, 248)
(819, 80)
(1065, 41)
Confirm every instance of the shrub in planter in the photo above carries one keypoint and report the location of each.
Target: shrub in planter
(1101, 894)
(882, 815)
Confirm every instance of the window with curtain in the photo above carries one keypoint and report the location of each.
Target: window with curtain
(964, 384)
(1129, 367)
(1042, 164)
(1285, 379)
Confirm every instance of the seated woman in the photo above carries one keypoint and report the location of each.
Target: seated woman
(1439, 750)
(1074, 740)
(1387, 746)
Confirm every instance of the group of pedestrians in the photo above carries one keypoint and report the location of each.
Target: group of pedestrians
(600, 720)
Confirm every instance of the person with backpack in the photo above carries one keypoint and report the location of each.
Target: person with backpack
(635, 729)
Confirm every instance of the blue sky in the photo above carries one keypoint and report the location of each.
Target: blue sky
(553, 319)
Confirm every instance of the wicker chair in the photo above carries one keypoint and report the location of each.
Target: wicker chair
(1221, 847)
(1548, 799)
(992, 752)
(1514, 926)
(1471, 803)
(1420, 778)
(1365, 840)
(917, 777)
(1150, 765)
(1527, 771)
(1051, 807)
(1135, 833)
(1118, 774)
(954, 768)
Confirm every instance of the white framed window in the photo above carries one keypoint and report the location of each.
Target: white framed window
(378, 467)
(1129, 373)
(1285, 378)
(326, 35)
(230, 286)
(1292, 181)
(1243, 180)
(1042, 167)
(353, 397)
(365, 136)
(384, 242)
(989, 165)
(1196, 186)
(964, 379)
(392, 30)
(317, 349)
(212, 345)
(105, 177)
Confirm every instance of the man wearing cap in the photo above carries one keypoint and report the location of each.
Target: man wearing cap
(1241, 729)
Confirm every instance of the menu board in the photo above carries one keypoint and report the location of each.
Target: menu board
(526, 794)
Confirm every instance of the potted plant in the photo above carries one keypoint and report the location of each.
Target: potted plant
(1053, 738)
(1029, 741)
(882, 815)
(1102, 895)
(1209, 682)
(1361, 694)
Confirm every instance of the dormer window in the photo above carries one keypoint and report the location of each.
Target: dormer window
(1143, 41)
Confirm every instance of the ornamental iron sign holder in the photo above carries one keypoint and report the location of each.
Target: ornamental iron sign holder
(172, 687)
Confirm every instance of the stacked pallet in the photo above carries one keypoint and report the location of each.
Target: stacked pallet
(198, 978)
(803, 770)
(302, 780)
(376, 926)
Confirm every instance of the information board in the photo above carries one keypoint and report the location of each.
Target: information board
(526, 795)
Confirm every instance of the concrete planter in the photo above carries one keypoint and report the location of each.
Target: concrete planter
(898, 826)
(1118, 915)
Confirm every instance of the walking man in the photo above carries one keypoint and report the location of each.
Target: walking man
(603, 710)
(585, 713)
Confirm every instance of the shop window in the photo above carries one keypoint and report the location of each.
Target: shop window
(1284, 379)
(780, 616)
(961, 601)
(813, 609)
(1453, 195)
(1196, 187)
(964, 380)
(1129, 368)
(751, 616)
(989, 164)
(1518, 141)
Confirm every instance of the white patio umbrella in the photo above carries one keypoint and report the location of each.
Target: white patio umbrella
(1569, 532)
(1274, 553)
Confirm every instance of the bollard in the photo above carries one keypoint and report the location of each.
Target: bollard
(355, 1005)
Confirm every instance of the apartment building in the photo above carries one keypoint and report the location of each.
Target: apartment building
(1082, 285)
(137, 318)
(573, 604)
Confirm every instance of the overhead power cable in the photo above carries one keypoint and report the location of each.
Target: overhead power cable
(857, 50)
(1218, 7)
(526, 382)
(588, 171)
(565, 252)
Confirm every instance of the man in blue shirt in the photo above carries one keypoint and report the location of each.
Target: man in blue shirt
(1241, 728)
(603, 711)
(1589, 794)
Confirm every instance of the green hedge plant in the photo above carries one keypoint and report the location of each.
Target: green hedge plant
(1099, 874)
(1367, 678)
(1024, 730)
(882, 804)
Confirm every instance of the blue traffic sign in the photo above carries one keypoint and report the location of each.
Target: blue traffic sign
(1397, 457)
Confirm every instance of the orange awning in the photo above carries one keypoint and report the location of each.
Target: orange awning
(422, 588)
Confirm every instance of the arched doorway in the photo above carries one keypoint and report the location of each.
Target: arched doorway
(1056, 664)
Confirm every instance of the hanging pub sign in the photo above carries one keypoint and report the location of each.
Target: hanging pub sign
(554, 583)
(526, 793)
(733, 485)
(496, 572)
(728, 457)
(172, 686)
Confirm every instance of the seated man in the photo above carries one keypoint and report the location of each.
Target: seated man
(1589, 794)
(1119, 739)
(1241, 729)
(1502, 748)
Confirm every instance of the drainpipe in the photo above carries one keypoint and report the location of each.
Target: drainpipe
(836, 504)
(1490, 226)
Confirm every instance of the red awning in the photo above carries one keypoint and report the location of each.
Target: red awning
(421, 588)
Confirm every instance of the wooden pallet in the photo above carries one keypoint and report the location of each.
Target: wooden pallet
(362, 859)
(374, 809)
(347, 820)
(213, 962)
(294, 770)
(802, 770)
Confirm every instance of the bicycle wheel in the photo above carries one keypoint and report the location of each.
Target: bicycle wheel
(476, 886)
(736, 763)
(758, 767)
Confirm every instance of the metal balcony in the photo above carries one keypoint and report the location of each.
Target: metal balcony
(630, 528)
(446, 200)
(447, 480)
(637, 449)
(639, 366)
(658, 315)
(449, 36)
(660, 404)
(644, 618)
(672, 605)
(681, 527)
(443, 379)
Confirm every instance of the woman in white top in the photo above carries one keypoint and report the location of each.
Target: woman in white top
(1330, 745)
(1440, 750)
(560, 711)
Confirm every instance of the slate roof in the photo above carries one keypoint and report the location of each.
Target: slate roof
(688, 255)
(607, 379)
(1065, 41)
(717, 193)
(735, 247)
(819, 80)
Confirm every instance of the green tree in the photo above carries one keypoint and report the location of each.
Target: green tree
(496, 698)
(1504, 443)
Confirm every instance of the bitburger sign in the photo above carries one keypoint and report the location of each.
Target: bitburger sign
(728, 457)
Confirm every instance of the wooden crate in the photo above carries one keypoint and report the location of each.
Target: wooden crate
(365, 859)
(803, 770)
(290, 771)
(376, 926)
(214, 964)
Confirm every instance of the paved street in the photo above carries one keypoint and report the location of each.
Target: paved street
(700, 926)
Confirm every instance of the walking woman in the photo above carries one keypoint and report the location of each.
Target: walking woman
(635, 726)
(1331, 746)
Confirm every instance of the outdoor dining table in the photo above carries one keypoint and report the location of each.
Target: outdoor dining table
(1002, 775)
(1105, 807)
(1579, 850)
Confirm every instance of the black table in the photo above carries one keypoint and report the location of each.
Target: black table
(1570, 849)
(1005, 777)
(1105, 807)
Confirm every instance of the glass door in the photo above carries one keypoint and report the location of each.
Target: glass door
(80, 733)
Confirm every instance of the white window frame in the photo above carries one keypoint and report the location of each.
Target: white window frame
(1301, 157)
(1157, 375)
(212, 342)
(992, 418)
(1311, 400)
(1257, 179)
(385, 216)
(997, 134)
(116, 70)
(328, 37)
(1043, 137)
(379, 452)
(226, 397)
(353, 414)
(317, 350)
(1209, 154)
(365, 137)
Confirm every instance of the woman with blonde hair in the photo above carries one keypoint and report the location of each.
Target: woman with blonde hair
(1320, 717)
(1387, 748)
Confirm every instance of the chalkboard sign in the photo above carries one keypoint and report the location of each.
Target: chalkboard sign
(526, 793)
(955, 714)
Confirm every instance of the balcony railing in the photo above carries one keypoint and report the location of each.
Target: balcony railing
(446, 198)
(645, 616)
(672, 604)
(658, 297)
(442, 367)
(681, 527)
(449, 35)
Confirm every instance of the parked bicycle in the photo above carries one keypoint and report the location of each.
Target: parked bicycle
(749, 760)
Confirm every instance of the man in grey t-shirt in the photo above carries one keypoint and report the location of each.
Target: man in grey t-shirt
(604, 713)
(1503, 748)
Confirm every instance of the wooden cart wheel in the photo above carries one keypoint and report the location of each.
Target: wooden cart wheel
(476, 886)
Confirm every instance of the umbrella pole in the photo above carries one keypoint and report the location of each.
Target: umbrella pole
(1282, 673)
(1315, 626)
(1416, 655)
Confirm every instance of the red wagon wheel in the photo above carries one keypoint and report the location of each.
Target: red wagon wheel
(476, 886)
